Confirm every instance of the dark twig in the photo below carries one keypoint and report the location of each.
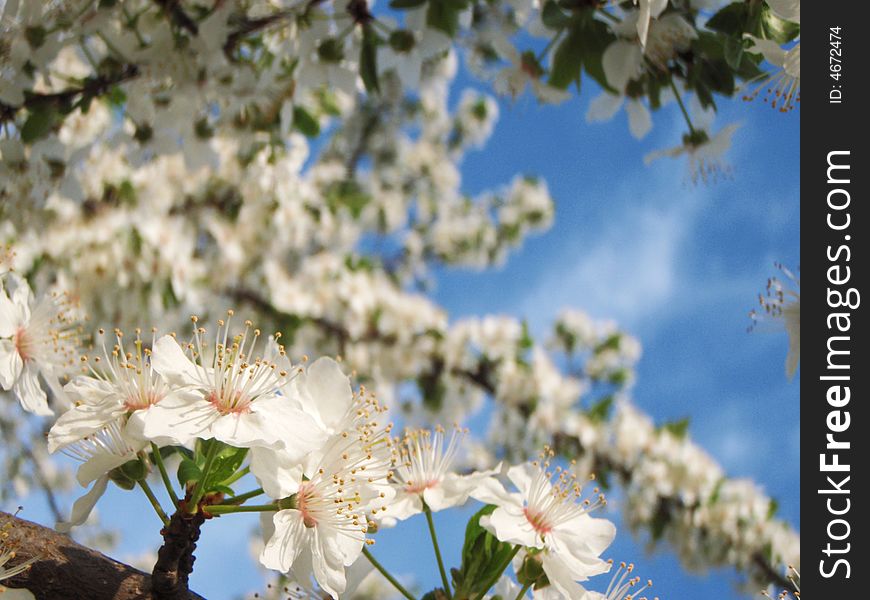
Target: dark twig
(175, 12)
(169, 578)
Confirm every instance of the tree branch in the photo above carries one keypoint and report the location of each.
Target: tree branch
(68, 570)
(176, 13)
(175, 558)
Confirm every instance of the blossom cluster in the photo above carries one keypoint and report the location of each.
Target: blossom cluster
(242, 391)
(320, 450)
(147, 81)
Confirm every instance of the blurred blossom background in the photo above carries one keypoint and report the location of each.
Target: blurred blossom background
(678, 266)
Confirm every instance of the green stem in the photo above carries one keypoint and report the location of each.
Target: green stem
(236, 476)
(158, 460)
(523, 591)
(387, 575)
(434, 537)
(682, 106)
(153, 500)
(199, 489)
(243, 497)
(498, 573)
(222, 509)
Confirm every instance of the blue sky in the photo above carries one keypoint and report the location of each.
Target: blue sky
(678, 266)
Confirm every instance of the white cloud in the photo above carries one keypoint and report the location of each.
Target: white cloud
(629, 271)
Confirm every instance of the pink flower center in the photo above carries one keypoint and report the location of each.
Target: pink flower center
(235, 404)
(537, 520)
(303, 498)
(143, 401)
(419, 488)
(23, 345)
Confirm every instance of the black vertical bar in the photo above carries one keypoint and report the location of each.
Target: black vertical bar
(834, 371)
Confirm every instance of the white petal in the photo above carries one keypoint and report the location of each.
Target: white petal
(172, 363)
(325, 391)
(585, 535)
(280, 424)
(30, 394)
(622, 62)
(9, 316)
(770, 50)
(405, 506)
(100, 465)
(639, 119)
(491, 491)
(328, 568)
(277, 473)
(10, 364)
(522, 476)
(81, 421)
(180, 417)
(284, 545)
(509, 524)
(603, 107)
(787, 10)
(560, 576)
(84, 505)
(792, 63)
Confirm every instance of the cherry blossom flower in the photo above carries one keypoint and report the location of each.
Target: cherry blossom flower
(234, 395)
(704, 150)
(99, 453)
(549, 517)
(40, 338)
(119, 385)
(784, 86)
(422, 473)
(781, 302)
(323, 529)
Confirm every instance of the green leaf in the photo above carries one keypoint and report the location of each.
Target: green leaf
(305, 122)
(776, 29)
(600, 411)
(347, 194)
(677, 428)
(553, 16)
(368, 59)
(444, 15)
(225, 465)
(717, 76)
(772, 508)
(224, 489)
(188, 472)
(567, 61)
(406, 4)
(39, 123)
(659, 522)
(526, 341)
(731, 20)
(482, 556)
(733, 51)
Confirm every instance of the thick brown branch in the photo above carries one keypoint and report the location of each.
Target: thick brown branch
(175, 558)
(68, 570)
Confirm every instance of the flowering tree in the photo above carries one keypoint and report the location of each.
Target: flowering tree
(298, 161)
